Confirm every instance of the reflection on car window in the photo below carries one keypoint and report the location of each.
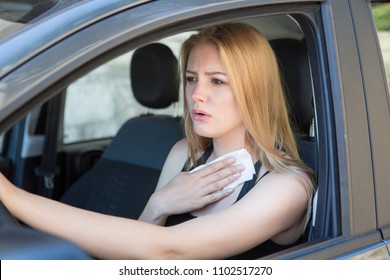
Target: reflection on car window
(100, 102)
(15, 13)
(1, 142)
(381, 14)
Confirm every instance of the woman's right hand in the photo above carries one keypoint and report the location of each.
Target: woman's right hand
(192, 191)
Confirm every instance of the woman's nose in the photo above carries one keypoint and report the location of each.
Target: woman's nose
(199, 93)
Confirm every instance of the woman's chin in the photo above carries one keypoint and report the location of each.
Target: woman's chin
(205, 133)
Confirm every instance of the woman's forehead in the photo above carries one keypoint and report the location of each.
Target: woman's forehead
(205, 57)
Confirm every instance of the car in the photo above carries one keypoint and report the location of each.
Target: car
(87, 87)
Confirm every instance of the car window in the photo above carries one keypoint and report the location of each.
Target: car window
(381, 13)
(15, 13)
(100, 102)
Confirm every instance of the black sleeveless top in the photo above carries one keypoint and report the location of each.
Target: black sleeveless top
(261, 250)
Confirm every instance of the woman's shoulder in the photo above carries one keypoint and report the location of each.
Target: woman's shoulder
(286, 183)
(285, 199)
(174, 162)
(180, 149)
(285, 189)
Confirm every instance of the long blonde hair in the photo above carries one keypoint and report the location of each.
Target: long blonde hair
(254, 77)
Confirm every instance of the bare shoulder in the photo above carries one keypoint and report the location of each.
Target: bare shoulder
(286, 182)
(279, 200)
(181, 146)
(174, 162)
(178, 153)
(283, 188)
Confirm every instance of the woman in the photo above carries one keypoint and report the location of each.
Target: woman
(234, 100)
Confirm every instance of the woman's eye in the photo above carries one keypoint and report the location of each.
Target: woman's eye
(190, 79)
(217, 81)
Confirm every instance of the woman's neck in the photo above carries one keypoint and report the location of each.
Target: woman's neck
(221, 148)
(229, 141)
(224, 147)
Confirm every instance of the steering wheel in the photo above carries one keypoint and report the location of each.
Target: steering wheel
(6, 218)
(19, 242)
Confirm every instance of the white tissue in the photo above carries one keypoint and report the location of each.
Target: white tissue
(242, 157)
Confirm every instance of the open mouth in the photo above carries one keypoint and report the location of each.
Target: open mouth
(199, 115)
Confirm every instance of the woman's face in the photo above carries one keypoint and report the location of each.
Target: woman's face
(209, 96)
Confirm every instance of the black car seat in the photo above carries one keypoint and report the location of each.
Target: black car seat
(122, 180)
(295, 68)
(294, 64)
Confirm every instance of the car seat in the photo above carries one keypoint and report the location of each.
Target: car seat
(294, 65)
(122, 180)
(295, 69)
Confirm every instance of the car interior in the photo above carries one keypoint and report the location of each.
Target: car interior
(116, 175)
(138, 151)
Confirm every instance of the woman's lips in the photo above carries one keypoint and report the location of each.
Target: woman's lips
(199, 115)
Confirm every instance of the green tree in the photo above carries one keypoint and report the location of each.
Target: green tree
(381, 14)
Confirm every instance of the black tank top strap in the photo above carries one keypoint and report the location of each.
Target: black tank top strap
(262, 176)
(206, 154)
(248, 185)
(203, 158)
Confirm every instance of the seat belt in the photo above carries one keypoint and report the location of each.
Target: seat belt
(48, 168)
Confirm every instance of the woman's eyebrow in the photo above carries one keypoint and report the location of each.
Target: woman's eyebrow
(209, 73)
(215, 73)
(191, 72)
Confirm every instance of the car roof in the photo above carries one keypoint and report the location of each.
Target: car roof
(26, 37)
(66, 17)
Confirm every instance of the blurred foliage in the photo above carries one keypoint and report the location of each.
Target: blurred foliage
(381, 14)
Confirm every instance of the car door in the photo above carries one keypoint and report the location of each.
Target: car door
(351, 215)
(375, 61)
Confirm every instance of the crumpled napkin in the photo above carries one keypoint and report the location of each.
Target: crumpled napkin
(242, 157)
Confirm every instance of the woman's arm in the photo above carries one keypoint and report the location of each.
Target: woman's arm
(94, 232)
(103, 236)
(180, 192)
(272, 209)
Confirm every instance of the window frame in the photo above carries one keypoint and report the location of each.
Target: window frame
(330, 143)
(325, 130)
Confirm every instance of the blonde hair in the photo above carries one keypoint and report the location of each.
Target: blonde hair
(254, 77)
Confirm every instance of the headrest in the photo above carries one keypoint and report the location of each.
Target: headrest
(154, 77)
(294, 65)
